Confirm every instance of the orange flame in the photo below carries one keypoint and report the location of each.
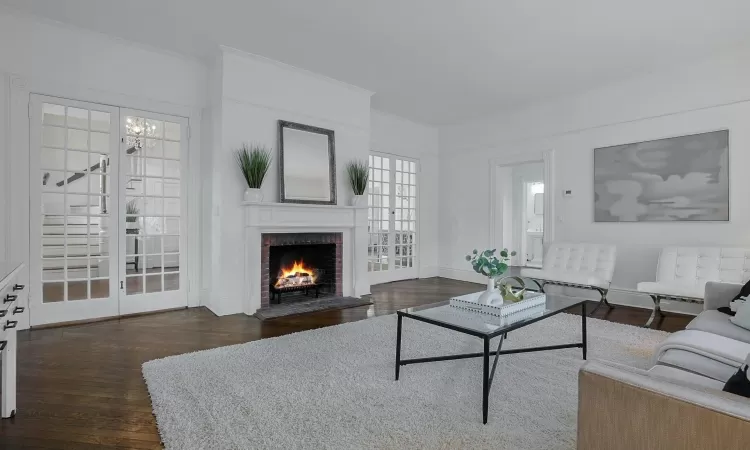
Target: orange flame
(297, 274)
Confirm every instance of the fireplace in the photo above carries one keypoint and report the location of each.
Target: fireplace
(300, 266)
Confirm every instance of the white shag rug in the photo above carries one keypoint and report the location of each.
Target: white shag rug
(334, 388)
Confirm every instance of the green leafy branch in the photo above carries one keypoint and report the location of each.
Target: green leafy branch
(488, 264)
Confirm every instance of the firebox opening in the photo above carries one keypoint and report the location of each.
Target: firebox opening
(301, 272)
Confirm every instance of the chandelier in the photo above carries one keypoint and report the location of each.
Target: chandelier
(138, 128)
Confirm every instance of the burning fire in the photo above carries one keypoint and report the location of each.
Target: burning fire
(296, 275)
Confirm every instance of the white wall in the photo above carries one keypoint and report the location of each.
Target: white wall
(704, 96)
(256, 93)
(398, 136)
(48, 58)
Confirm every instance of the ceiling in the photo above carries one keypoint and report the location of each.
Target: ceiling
(433, 61)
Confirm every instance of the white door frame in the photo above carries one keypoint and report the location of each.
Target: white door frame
(393, 274)
(40, 313)
(546, 157)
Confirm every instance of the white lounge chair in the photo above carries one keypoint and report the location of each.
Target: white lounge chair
(580, 265)
(683, 272)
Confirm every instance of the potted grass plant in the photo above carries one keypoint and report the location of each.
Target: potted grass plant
(254, 161)
(131, 219)
(358, 173)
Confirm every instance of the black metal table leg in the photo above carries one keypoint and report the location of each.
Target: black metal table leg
(398, 346)
(486, 380)
(583, 328)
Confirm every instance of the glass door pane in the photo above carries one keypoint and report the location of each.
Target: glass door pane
(75, 249)
(153, 230)
(405, 217)
(379, 213)
(392, 201)
(73, 270)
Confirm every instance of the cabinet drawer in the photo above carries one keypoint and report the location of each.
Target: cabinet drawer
(8, 327)
(13, 304)
(12, 296)
(4, 296)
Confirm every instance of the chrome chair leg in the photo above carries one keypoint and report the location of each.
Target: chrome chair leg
(657, 310)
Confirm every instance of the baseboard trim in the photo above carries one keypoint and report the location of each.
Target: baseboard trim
(214, 311)
(103, 319)
(429, 272)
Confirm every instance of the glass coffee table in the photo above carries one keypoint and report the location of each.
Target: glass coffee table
(487, 327)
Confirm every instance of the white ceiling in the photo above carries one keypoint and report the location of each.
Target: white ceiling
(434, 61)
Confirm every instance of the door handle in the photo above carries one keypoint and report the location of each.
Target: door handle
(2, 345)
(18, 309)
(10, 324)
(18, 287)
(10, 298)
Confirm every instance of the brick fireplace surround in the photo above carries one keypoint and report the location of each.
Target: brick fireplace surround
(288, 239)
(268, 219)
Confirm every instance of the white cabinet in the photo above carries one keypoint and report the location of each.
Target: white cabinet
(12, 305)
(535, 251)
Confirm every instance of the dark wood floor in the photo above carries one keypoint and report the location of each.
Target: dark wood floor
(80, 387)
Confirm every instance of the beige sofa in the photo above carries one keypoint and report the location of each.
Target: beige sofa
(624, 408)
(678, 403)
(710, 345)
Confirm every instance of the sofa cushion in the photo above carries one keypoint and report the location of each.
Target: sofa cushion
(688, 290)
(716, 322)
(698, 364)
(580, 278)
(675, 374)
(704, 353)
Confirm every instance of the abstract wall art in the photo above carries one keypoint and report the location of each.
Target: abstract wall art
(682, 178)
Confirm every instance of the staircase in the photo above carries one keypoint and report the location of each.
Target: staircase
(82, 230)
(82, 233)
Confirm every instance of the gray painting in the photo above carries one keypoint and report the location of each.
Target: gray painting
(684, 178)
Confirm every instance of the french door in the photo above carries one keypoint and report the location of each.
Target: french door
(392, 219)
(106, 211)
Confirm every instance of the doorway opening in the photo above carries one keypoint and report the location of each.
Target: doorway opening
(519, 212)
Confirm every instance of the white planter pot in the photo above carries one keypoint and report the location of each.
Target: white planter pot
(492, 295)
(359, 200)
(253, 195)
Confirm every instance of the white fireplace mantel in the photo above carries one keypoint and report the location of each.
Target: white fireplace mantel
(263, 218)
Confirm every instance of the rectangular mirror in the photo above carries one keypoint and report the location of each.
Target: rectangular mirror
(307, 167)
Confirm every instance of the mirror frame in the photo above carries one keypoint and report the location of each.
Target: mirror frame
(331, 162)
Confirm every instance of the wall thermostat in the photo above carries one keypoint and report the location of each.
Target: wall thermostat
(567, 193)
